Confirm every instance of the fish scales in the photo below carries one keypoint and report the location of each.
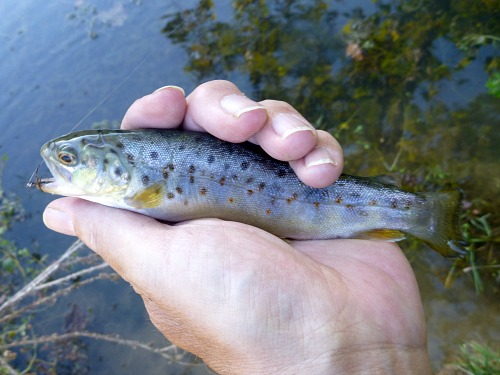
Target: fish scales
(175, 176)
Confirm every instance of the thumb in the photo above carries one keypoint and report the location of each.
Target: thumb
(119, 236)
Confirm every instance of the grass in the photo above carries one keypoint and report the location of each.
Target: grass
(478, 359)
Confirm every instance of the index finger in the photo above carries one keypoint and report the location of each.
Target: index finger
(164, 108)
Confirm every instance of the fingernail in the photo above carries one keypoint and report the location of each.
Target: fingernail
(58, 221)
(286, 124)
(237, 104)
(171, 87)
(318, 156)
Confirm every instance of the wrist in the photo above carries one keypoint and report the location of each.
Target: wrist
(378, 360)
(382, 360)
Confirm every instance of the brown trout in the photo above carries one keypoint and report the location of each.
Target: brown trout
(176, 175)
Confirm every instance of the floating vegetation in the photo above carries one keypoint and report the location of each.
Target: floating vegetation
(380, 83)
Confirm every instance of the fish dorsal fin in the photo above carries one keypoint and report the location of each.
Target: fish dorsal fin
(388, 179)
(149, 197)
(389, 235)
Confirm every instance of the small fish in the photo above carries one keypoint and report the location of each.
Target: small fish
(177, 175)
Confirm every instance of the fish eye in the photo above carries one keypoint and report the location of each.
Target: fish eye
(67, 157)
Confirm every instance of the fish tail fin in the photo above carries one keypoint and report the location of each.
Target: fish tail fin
(441, 230)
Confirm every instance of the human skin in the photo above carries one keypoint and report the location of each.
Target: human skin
(243, 300)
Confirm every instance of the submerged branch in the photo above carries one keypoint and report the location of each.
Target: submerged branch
(52, 297)
(30, 287)
(6, 368)
(171, 352)
(70, 277)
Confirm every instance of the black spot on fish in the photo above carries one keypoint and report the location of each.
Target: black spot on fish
(281, 172)
(249, 191)
(349, 206)
(113, 151)
(394, 204)
(249, 180)
(145, 180)
(153, 155)
(118, 171)
(192, 169)
(408, 204)
(105, 161)
(316, 204)
(372, 203)
(165, 173)
(130, 159)
(268, 212)
(185, 202)
(338, 200)
(235, 177)
(170, 195)
(178, 189)
(191, 179)
(182, 147)
(83, 141)
(262, 185)
(210, 159)
(119, 145)
(245, 165)
(203, 191)
(222, 181)
(171, 167)
(230, 200)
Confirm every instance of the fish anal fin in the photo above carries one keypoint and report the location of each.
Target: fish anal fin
(149, 197)
(389, 235)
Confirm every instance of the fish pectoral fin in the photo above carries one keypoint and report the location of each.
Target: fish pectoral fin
(389, 235)
(149, 197)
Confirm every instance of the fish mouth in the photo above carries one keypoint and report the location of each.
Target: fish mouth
(53, 184)
(40, 183)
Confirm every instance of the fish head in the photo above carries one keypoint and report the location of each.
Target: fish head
(83, 166)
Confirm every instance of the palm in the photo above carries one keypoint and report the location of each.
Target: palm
(245, 276)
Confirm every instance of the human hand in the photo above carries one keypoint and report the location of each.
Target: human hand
(240, 298)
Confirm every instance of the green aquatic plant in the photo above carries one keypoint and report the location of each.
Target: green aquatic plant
(366, 85)
(16, 264)
(493, 84)
(478, 359)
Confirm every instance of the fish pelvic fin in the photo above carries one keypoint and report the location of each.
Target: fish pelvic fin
(388, 235)
(150, 197)
(439, 225)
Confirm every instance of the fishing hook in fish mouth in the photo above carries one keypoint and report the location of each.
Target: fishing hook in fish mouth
(39, 182)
